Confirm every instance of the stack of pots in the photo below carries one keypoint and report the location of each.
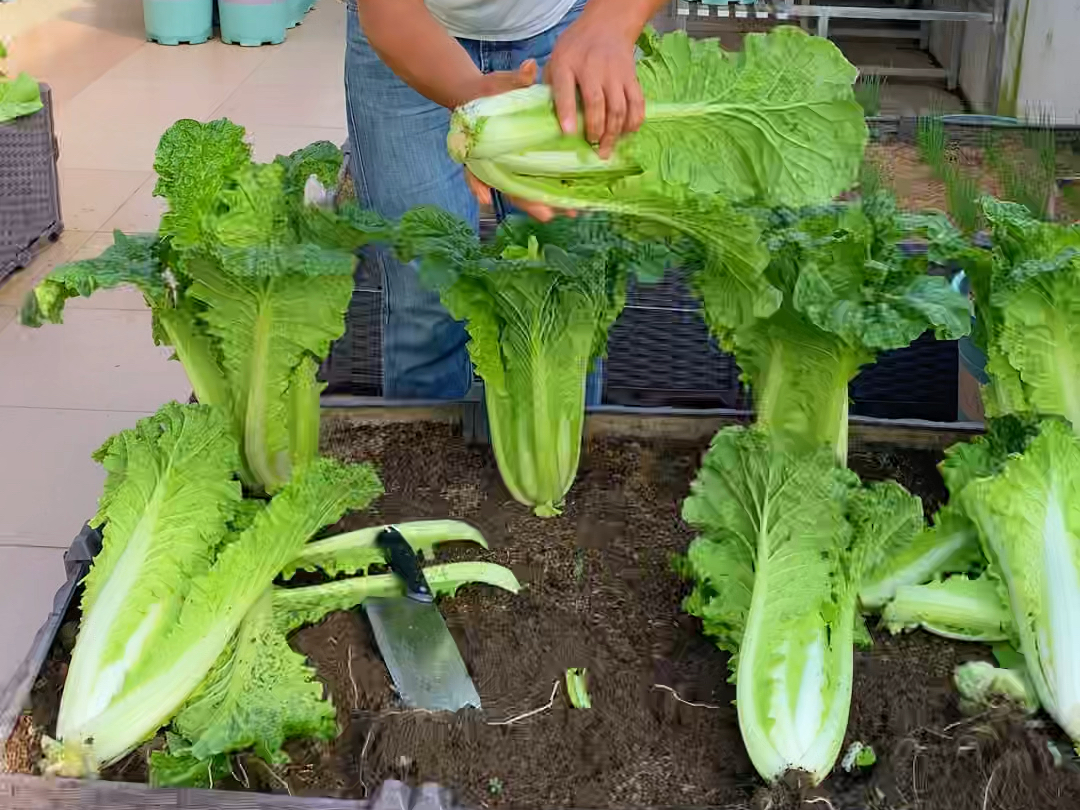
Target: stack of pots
(242, 22)
(254, 22)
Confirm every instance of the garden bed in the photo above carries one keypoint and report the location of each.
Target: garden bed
(1016, 165)
(600, 593)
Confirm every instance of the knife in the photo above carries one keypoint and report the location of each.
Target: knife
(420, 654)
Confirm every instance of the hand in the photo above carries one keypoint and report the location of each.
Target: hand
(593, 55)
(538, 211)
(491, 84)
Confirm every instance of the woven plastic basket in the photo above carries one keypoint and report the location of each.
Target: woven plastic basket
(29, 188)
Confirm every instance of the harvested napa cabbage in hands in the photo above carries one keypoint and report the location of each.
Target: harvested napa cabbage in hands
(775, 124)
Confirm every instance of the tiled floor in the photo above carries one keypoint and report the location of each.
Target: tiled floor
(64, 389)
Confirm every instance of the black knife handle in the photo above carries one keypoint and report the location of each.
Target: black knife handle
(404, 563)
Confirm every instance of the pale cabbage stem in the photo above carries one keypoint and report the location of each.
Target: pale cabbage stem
(772, 757)
(920, 569)
(419, 534)
(1066, 365)
(86, 694)
(1058, 653)
(255, 427)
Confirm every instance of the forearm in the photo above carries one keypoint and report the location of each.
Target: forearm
(420, 51)
(629, 17)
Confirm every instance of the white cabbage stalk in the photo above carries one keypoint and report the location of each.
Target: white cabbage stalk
(786, 539)
(1028, 517)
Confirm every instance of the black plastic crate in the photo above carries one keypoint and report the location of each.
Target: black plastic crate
(917, 382)
(354, 366)
(660, 352)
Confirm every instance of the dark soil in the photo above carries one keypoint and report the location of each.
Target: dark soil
(913, 182)
(904, 171)
(599, 592)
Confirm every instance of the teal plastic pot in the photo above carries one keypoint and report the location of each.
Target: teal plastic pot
(297, 9)
(171, 22)
(253, 22)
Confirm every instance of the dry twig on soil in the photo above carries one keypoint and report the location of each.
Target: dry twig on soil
(679, 698)
(270, 770)
(352, 679)
(986, 793)
(545, 707)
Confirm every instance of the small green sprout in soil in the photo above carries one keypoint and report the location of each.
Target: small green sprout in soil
(495, 786)
(858, 755)
(579, 565)
(577, 688)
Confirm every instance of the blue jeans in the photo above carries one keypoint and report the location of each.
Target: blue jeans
(399, 161)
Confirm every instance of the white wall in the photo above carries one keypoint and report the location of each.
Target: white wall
(1049, 74)
(975, 75)
(1041, 66)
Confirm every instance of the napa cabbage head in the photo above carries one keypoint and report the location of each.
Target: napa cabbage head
(785, 541)
(182, 564)
(850, 290)
(1013, 489)
(247, 282)
(260, 692)
(538, 303)
(1027, 313)
(1028, 519)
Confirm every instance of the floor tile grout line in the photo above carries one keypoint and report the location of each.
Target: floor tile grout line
(68, 102)
(251, 72)
(129, 198)
(143, 411)
(216, 113)
(206, 117)
(61, 549)
(150, 44)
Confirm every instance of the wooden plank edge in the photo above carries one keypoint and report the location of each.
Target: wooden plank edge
(684, 425)
(21, 792)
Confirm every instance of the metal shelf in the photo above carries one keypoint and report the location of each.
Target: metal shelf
(824, 14)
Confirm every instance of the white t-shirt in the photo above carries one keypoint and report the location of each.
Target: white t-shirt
(505, 20)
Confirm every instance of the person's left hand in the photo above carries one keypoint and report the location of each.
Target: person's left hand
(596, 56)
(538, 211)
